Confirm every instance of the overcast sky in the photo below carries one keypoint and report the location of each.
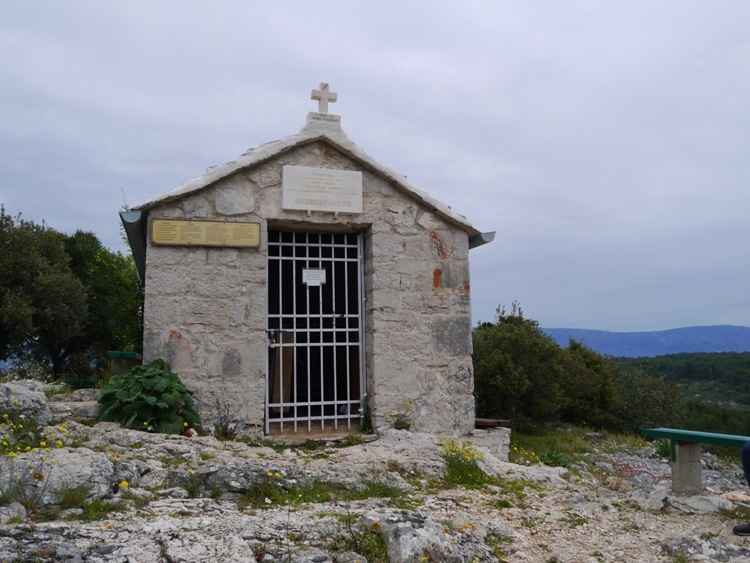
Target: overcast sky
(607, 143)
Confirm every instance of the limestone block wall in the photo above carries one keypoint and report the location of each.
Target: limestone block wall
(205, 309)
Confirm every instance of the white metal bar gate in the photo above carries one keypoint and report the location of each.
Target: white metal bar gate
(315, 378)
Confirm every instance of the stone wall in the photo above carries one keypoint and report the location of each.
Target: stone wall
(205, 308)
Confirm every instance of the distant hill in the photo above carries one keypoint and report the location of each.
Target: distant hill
(720, 338)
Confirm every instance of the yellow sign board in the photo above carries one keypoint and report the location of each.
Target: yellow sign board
(179, 232)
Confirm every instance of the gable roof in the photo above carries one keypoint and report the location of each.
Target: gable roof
(316, 129)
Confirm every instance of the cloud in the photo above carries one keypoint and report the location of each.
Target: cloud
(604, 142)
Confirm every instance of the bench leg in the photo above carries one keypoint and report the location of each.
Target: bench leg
(686, 468)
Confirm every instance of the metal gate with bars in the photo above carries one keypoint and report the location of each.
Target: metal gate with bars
(315, 377)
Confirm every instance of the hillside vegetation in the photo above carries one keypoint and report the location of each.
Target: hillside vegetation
(715, 387)
(521, 373)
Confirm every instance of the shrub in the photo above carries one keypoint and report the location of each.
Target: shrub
(149, 397)
(461, 467)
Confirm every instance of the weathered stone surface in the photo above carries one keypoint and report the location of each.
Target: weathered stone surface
(46, 475)
(560, 516)
(411, 536)
(14, 511)
(235, 199)
(80, 410)
(203, 303)
(25, 399)
(494, 440)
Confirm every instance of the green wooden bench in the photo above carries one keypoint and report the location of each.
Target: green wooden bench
(686, 453)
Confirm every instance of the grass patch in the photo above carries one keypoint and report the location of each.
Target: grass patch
(499, 543)
(272, 492)
(378, 488)
(574, 520)
(560, 449)
(171, 461)
(74, 497)
(461, 467)
(98, 509)
(369, 545)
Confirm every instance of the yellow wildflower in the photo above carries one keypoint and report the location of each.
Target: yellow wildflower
(124, 484)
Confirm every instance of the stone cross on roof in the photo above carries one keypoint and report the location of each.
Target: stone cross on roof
(323, 96)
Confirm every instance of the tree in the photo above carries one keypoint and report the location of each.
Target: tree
(115, 301)
(644, 400)
(42, 304)
(65, 300)
(520, 372)
(517, 368)
(588, 386)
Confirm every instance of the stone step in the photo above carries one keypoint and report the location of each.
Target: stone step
(85, 410)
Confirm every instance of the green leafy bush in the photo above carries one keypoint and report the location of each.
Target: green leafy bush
(461, 467)
(554, 458)
(149, 397)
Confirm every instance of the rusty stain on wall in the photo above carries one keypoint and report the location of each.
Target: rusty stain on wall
(442, 248)
(437, 273)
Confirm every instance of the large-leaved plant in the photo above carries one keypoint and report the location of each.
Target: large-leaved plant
(149, 397)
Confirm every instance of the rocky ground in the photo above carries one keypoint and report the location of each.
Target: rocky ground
(187, 499)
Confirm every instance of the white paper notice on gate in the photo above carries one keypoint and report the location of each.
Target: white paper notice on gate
(313, 278)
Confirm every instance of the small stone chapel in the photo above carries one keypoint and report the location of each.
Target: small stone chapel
(304, 286)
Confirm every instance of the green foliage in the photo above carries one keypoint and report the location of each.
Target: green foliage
(644, 401)
(461, 467)
(42, 303)
(149, 397)
(366, 424)
(663, 447)
(401, 422)
(376, 487)
(551, 447)
(553, 458)
(370, 545)
(271, 491)
(517, 371)
(715, 377)
(64, 300)
(499, 543)
(98, 509)
(521, 373)
(115, 302)
(74, 497)
(710, 417)
(588, 385)
(19, 435)
(352, 439)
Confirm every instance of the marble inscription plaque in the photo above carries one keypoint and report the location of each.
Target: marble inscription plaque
(321, 189)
